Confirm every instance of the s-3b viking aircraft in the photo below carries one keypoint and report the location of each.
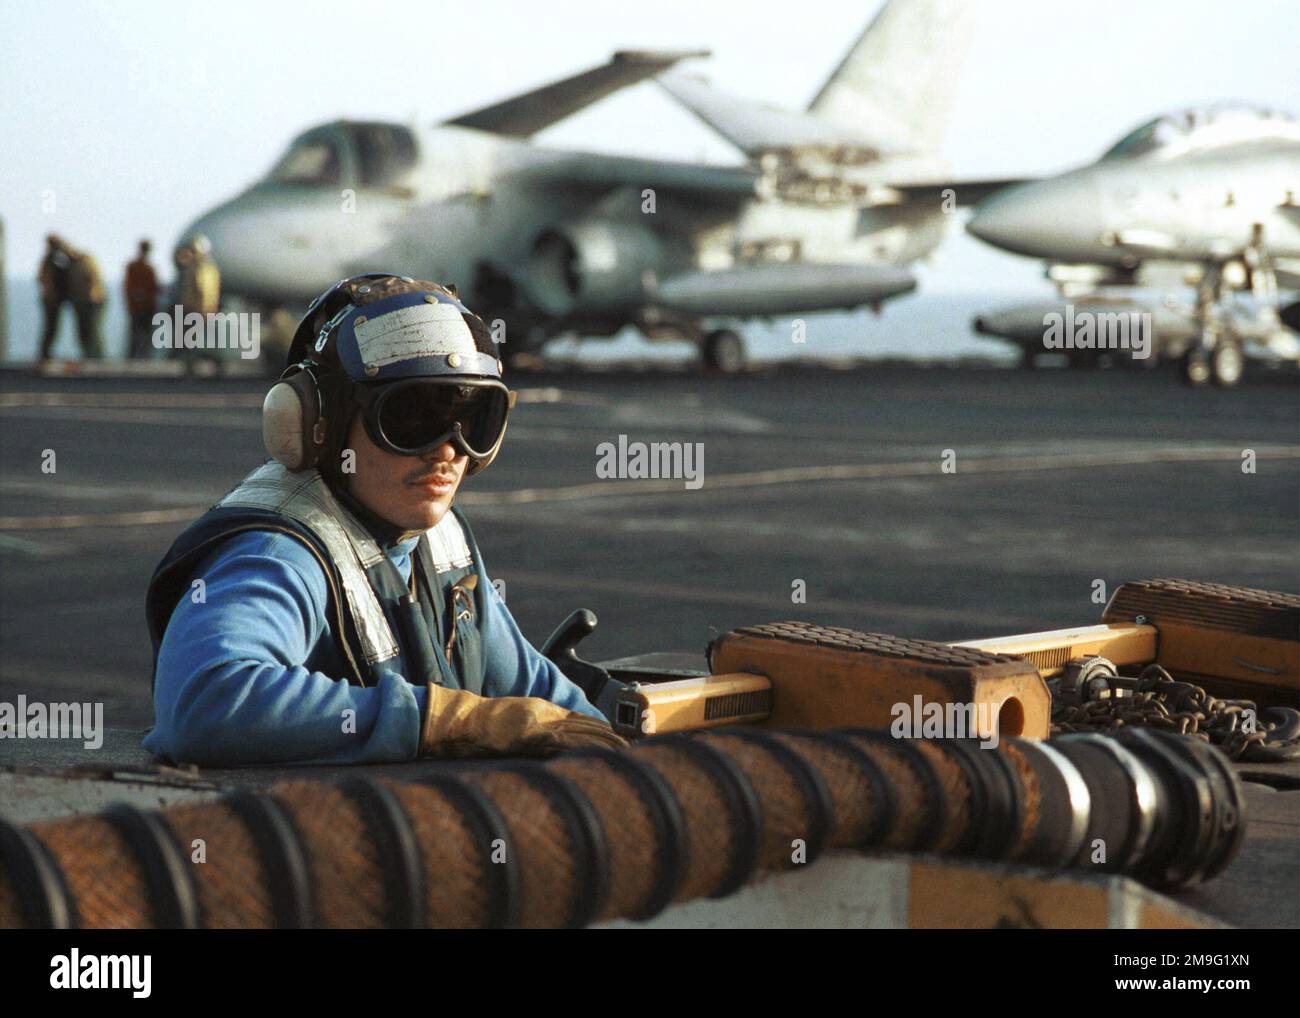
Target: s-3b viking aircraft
(827, 211)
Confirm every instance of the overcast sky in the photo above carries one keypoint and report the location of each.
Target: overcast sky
(138, 116)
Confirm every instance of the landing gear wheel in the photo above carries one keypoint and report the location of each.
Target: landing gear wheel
(1195, 368)
(1227, 364)
(723, 350)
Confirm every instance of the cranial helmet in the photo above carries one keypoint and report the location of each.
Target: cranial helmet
(406, 354)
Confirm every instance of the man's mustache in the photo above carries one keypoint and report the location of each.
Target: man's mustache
(424, 476)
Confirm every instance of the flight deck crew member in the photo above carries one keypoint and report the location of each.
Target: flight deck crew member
(88, 295)
(334, 607)
(141, 291)
(198, 289)
(69, 275)
(53, 277)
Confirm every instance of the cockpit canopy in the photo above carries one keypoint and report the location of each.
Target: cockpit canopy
(349, 154)
(1204, 127)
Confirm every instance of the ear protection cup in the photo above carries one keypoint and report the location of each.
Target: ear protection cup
(476, 465)
(293, 424)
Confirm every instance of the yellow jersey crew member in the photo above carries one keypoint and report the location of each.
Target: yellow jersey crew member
(334, 607)
(72, 276)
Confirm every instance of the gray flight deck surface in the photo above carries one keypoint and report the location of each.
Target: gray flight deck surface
(1061, 478)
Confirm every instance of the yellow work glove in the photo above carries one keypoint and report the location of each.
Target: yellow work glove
(459, 724)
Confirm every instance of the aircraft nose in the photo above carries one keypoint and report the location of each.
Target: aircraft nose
(216, 225)
(1058, 219)
(239, 232)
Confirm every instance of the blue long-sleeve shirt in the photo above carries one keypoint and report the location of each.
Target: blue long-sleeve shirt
(249, 673)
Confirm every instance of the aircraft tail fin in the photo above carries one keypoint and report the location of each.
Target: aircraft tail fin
(899, 79)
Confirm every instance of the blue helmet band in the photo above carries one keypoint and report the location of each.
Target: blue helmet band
(411, 335)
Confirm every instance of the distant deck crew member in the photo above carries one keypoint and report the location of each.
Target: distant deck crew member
(140, 288)
(89, 295)
(198, 289)
(69, 275)
(334, 607)
(54, 278)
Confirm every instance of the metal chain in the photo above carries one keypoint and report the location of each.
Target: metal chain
(1158, 700)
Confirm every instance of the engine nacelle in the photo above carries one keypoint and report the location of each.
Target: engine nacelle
(591, 266)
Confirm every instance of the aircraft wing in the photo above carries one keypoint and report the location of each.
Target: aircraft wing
(592, 171)
(526, 114)
(965, 192)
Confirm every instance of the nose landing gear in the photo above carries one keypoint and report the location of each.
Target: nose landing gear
(1223, 364)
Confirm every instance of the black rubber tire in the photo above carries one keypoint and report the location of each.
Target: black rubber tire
(1227, 364)
(1194, 368)
(723, 350)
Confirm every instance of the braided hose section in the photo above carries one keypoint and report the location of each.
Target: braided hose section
(597, 835)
